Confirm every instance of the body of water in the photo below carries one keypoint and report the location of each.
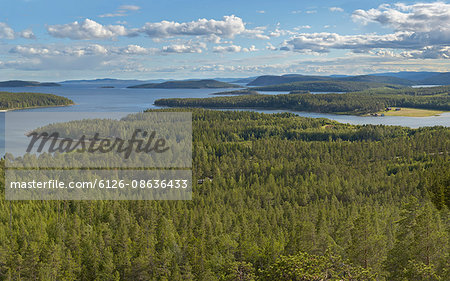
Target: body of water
(93, 98)
(89, 98)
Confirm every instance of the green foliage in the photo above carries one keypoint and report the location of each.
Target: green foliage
(289, 196)
(421, 243)
(239, 271)
(23, 100)
(304, 267)
(352, 103)
(238, 92)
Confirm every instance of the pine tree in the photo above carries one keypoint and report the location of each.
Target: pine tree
(366, 245)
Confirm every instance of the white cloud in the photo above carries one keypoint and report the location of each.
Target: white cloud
(121, 11)
(280, 32)
(419, 17)
(428, 52)
(79, 51)
(336, 9)
(184, 48)
(422, 29)
(27, 51)
(129, 7)
(228, 27)
(324, 41)
(311, 12)
(233, 49)
(270, 47)
(296, 12)
(6, 32)
(87, 29)
(27, 34)
(112, 15)
(302, 27)
(136, 50)
(261, 12)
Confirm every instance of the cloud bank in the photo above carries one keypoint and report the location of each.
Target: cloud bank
(422, 29)
(88, 29)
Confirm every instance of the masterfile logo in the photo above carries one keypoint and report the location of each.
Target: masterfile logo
(98, 156)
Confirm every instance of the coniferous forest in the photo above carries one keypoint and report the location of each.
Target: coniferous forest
(282, 198)
(24, 100)
(357, 103)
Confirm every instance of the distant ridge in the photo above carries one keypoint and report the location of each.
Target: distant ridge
(268, 80)
(20, 83)
(188, 84)
(326, 86)
(111, 81)
(437, 79)
(409, 75)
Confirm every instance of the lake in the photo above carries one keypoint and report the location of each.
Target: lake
(92, 98)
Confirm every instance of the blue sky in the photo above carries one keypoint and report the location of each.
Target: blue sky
(55, 40)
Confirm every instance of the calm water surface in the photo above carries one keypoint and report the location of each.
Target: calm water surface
(89, 98)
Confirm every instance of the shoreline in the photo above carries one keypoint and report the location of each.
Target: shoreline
(328, 113)
(31, 107)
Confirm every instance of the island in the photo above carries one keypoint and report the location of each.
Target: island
(20, 83)
(188, 84)
(355, 103)
(13, 101)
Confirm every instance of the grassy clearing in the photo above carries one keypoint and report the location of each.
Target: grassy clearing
(411, 112)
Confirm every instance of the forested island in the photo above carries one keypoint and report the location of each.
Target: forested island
(20, 83)
(357, 103)
(237, 92)
(188, 84)
(11, 101)
(286, 198)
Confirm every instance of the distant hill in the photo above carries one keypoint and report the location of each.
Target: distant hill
(243, 80)
(20, 83)
(409, 75)
(325, 86)
(189, 84)
(378, 79)
(437, 79)
(111, 82)
(267, 80)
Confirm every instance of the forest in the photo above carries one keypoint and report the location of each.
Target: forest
(357, 103)
(288, 198)
(23, 100)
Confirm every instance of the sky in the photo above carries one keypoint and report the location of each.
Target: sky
(55, 40)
